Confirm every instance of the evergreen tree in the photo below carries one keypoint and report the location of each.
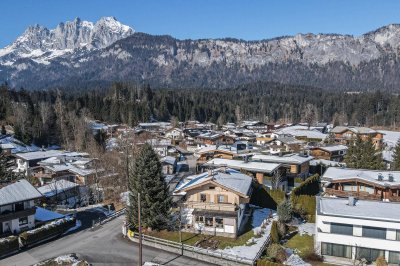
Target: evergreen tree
(396, 157)
(285, 212)
(363, 155)
(145, 177)
(6, 174)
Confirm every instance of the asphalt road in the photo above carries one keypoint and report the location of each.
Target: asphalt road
(101, 246)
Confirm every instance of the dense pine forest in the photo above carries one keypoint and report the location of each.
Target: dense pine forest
(54, 116)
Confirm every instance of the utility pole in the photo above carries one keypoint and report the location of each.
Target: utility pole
(140, 232)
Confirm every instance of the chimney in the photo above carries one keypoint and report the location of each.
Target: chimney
(380, 177)
(352, 201)
(391, 178)
(210, 172)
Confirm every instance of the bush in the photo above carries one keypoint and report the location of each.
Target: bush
(265, 262)
(285, 212)
(310, 186)
(282, 229)
(277, 252)
(380, 261)
(274, 232)
(304, 205)
(49, 230)
(277, 195)
(8, 244)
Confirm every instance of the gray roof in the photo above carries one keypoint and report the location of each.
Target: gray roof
(335, 174)
(363, 209)
(332, 148)
(287, 159)
(18, 191)
(56, 187)
(228, 178)
(357, 130)
(261, 167)
(39, 155)
(168, 160)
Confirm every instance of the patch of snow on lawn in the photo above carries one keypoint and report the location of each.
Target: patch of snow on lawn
(77, 225)
(295, 260)
(260, 217)
(307, 228)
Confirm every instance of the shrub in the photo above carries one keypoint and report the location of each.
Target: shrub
(265, 262)
(380, 261)
(304, 205)
(274, 232)
(277, 252)
(282, 229)
(285, 212)
(49, 230)
(298, 180)
(8, 244)
(277, 195)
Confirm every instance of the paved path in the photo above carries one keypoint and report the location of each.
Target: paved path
(102, 246)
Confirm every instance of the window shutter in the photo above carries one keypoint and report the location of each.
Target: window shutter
(207, 197)
(215, 198)
(225, 198)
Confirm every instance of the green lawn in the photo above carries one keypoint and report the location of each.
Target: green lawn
(191, 238)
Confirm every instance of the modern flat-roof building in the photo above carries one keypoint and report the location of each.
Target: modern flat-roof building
(349, 231)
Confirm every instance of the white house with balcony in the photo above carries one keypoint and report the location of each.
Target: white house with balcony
(351, 231)
(17, 206)
(215, 202)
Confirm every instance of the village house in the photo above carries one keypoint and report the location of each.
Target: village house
(294, 165)
(216, 202)
(362, 184)
(6, 148)
(285, 144)
(301, 133)
(168, 164)
(347, 135)
(17, 206)
(174, 133)
(329, 152)
(64, 192)
(351, 232)
(214, 138)
(259, 170)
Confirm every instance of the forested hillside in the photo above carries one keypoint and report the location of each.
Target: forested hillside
(52, 116)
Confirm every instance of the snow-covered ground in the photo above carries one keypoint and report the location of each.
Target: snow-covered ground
(70, 259)
(295, 260)
(260, 217)
(307, 228)
(390, 138)
(19, 146)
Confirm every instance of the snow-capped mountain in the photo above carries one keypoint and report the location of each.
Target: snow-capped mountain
(41, 44)
(81, 52)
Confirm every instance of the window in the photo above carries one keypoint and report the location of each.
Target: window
(336, 250)
(211, 188)
(398, 235)
(200, 219)
(203, 197)
(374, 232)
(221, 198)
(209, 221)
(369, 254)
(394, 257)
(342, 229)
(23, 221)
(219, 222)
(19, 206)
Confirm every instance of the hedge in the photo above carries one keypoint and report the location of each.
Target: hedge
(305, 206)
(8, 245)
(265, 262)
(46, 231)
(311, 186)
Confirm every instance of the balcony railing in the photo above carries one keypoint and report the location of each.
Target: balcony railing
(210, 206)
(7, 216)
(359, 195)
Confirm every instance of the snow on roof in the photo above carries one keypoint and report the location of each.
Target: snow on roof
(228, 178)
(315, 162)
(332, 148)
(7, 146)
(20, 190)
(289, 158)
(168, 160)
(37, 155)
(363, 209)
(210, 135)
(335, 174)
(302, 131)
(387, 155)
(44, 215)
(56, 187)
(250, 166)
(357, 130)
(390, 138)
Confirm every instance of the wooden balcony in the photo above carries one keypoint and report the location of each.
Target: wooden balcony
(210, 206)
(7, 216)
(345, 194)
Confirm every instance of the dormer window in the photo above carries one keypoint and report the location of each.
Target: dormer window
(203, 197)
(211, 188)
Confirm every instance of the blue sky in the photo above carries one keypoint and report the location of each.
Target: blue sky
(249, 20)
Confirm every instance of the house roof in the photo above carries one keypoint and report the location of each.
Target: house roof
(20, 190)
(7, 146)
(286, 159)
(333, 148)
(301, 131)
(168, 160)
(56, 187)
(357, 130)
(337, 174)
(38, 155)
(228, 178)
(363, 209)
(262, 167)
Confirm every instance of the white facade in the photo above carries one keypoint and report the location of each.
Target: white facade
(15, 224)
(347, 234)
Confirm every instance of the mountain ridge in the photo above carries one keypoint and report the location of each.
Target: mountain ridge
(331, 61)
